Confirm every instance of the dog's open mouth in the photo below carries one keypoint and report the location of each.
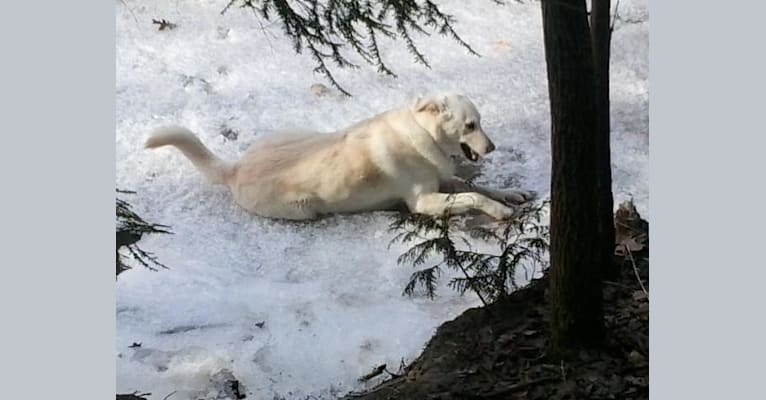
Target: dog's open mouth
(469, 153)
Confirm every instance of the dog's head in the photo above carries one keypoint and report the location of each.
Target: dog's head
(454, 123)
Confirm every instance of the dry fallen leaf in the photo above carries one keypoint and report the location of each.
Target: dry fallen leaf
(631, 231)
(631, 244)
(502, 44)
(319, 89)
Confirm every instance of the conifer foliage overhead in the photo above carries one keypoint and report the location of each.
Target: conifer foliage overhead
(329, 29)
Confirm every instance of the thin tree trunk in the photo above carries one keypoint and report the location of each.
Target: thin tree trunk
(576, 298)
(601, 35)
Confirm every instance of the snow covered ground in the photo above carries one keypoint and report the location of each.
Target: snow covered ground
(297, 310)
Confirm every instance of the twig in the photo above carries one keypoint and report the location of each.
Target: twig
(231, 3)
(402, 370)
(563, 371)
(468, 277)
(374, 390)
(393, 375)
(136, 395)
(635, 269)
(169, 394)
(614, 19)
(375, 372)
(131, 12)
(476, 290)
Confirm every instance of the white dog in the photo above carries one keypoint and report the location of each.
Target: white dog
(401, 155)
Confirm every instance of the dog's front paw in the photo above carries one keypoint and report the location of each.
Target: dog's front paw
(518, 196)
(502, 212)
(529, 195)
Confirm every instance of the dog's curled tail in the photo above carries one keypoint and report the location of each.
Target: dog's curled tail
(215, 170)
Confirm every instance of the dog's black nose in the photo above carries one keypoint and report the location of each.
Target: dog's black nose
(490, 147)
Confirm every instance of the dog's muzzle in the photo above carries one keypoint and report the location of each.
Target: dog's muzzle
(473, 155)
(468, 152)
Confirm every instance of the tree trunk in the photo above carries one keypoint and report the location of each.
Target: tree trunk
(601, 36)
(576, 298)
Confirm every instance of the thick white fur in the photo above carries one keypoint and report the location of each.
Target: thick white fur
(401, 155)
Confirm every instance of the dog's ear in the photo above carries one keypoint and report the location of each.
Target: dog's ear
(428, 104)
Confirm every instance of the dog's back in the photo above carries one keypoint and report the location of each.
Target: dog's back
(309, 173)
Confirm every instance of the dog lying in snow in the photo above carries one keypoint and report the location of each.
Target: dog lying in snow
(401, 155)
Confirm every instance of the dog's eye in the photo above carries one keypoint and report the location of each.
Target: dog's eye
(470, 126)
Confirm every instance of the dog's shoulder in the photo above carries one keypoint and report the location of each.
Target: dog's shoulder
(416, 142)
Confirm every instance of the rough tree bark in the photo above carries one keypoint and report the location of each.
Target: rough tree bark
(576, 262)
(601, 37)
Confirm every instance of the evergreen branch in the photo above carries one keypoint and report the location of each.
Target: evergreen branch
(130, 228)
(329, 29)
(425, 277)
(421, 252)
(522, 240)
